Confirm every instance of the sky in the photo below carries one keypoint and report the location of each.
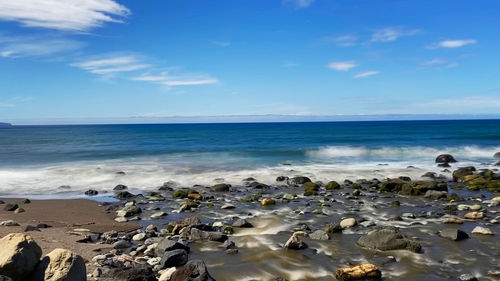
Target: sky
(108, 60)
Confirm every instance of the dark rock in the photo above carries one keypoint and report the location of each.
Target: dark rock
(166, 244)
(445, 158)
(444, 165)
(124, 195)
(279, 279)
(138, 273)
(43, 225)
(5, 278)
(281, 178)
(453, 234)
(385, 239)
(91, 192)
(258, 185)
(10, 207)
(460, 173)
(299, 180)
(194, 270)
(467, 277)
(496, 155)
(228, 244)
(175, 258)
(121, 244)
(221, 187)
(197, 234)
(333, 227)
(242, 223)
(120, 187)
(31, 228)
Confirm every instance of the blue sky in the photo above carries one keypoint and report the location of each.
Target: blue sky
(146, 59)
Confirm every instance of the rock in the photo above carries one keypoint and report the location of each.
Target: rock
(453, 234)
(175, 258)
(26, 201)
(347, 223)
(197, 234)
(167, 274)
(179, 193)
(10, 207)
(139, 236)
(120, 187)
(129, 211)
(60, 265)
(332, 185)
(281, 178)
(445, 158)
(453, 220)
(299, 180)
(158, 215)
(333, 228)
(460, 173)
(121, 244)
(242, 223)
(221, 187)
(496, 155)
(9, 223)
(227, 206)
(136, 273)
(319, 235)
(166, 244)
(434, 194)
(31, 228)
(124, 195)
(267, 202)
(194, 270)
(467, 277)
(358, 272)
(474, 215)
(296, 241)
(19, 210)
(482, 230)
(386, 239)
(195, 196)
(91, 192)
(5, 278)
(19, 256)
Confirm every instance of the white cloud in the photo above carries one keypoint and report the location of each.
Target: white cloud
(298, 4)
(390, 34)
(15, 47)
(366, 74)
(346, 40)
(438, 62)
(342, 65)
(453, 43)
(69, 15)
(169, 80)
(112, 64)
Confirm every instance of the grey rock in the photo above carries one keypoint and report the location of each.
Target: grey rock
(242, 223)
(121, 244)
(166, 244)
(385, 239)
(174, 258)
(197, 234)
(319, 235)
(453, 234)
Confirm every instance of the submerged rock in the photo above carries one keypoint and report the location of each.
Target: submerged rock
(482, 230)
(296, 241)
(19, 256)
(453, 234)
(385, 239)
(358, 272)
(319, 235)
(221, 187)
(445, 158)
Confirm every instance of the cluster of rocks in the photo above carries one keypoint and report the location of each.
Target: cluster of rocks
(15, 207)
(20, 259)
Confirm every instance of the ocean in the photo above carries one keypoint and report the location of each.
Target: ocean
(63, 161)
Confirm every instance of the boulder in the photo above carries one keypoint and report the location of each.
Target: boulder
(453, 234)
(386, 239)
(194, 270)
(445, 158)
(221, 187)
(5, 278)
(347, 223)
(460, 173)
(19, 255)
(175, 258)
(137, 273)
(299, 180)
(358, 272)
(319, 235)
(332, 185)
(296, 241)
(482, 230)
(496, 155)
(60, 265)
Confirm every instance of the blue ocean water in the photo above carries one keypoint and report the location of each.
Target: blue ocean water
(35, 157)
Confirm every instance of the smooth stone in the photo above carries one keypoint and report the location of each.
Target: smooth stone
(474, 215)
(482, 230)
(158, 215)
(267, 202)
(61, 265)
(347, 223)
(319, 235)
(296, 241)
(19, 256)
(227, 206)
(139, 236)
(386, 239)
(121, 244)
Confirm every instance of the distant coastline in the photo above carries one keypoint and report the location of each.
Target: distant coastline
(3, 124)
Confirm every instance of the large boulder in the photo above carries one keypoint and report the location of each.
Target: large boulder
(60, 265)
(460, 173)
(174, 258)
(445, 158)
(496, 155)
(299, 180)
(221, 187)
(194, 270)
(166, 244)
(358, 272)
(138, 273)
(19, 255)
(386, 239)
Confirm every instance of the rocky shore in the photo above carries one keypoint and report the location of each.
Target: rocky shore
(440, 226)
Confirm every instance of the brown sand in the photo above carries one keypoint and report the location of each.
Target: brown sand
(64, 216)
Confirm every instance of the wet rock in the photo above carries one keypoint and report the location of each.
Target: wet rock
(460, 173)
(194, 270)
(242, 223)
(347, 223)
(166, 244)
(189, 204)
(281, 179)
(453, 221)
(332, 185)
(434, 194)
(137, 273)
(129, 211)
(157, 215)
(19, 210)
(10, 207)
(221, 187)
(386, 239)
(496, 155)
(333, 228)
(279, 279)
(311, 188)
(319, 235)
(445, 158)
(453, 234)
(179, 194)
(299, 180)
(358, 272)
(124, 195)
(120, 187)
(9, 223)
(227, 206)
(175, 258)
(258, 185)
(60, 265)
(166, 274)
(194, 195)
(31, 228)
(267, 202)
(121, 244)
(26, 201)
(474, 215)
(91, 192)
(296, 241)
(467, 277)
(19, 255)
(139, 236)
(197, 234)
(482, 230)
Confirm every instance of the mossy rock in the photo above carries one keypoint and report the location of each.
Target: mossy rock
(311, 185)
(477, 183)
(210, 204)
(356, 185)
(228, 229)
(332, 185)
(267, 202)
(310, 192)
(221, 187)
(459, 173)
(393, 185)
(252, 198)
(179, 194)
(493, 186)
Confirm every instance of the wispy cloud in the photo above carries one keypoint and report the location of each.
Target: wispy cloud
(220, 43)
(112, 64)
(342, 65)
(366, 74)
(298, 4)
(346, 40)
(6, 104)
(169, 80)
(439, 62)
(452, 43)
(69, 15)
(390, 34)
(28, 46)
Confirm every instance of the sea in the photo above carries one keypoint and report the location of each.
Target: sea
(63, 161)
